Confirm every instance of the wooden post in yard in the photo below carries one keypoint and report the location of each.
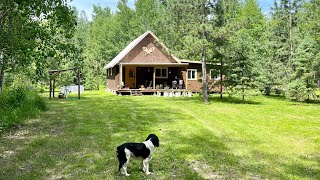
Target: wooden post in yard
(78, 75)
(53, 86)
(50, 87)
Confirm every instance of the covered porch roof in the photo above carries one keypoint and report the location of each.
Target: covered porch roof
(154, 64)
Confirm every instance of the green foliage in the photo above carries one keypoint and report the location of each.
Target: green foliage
(35, 36)
(254, 50)
(17, 104)
(297, 91)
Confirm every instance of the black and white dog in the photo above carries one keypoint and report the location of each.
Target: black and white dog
(142, 150)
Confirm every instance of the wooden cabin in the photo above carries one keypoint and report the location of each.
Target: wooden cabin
(145, 66)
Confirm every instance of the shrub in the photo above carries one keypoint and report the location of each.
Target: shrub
(297, 91)
(18, 104)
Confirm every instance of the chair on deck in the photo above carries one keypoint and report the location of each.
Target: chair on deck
(180, 84)
(174, 84)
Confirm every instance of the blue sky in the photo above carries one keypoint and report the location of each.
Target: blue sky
(86, 5)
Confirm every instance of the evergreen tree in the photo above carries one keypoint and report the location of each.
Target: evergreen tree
(223, 15)
(305, 70)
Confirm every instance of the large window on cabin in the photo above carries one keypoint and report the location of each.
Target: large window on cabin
(161, 72)
(192, 74)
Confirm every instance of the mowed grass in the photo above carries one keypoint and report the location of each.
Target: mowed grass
(266, 138)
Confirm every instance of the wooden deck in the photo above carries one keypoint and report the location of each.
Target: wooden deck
(156, 92)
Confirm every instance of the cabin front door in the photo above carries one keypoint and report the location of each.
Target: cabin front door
(130, 77)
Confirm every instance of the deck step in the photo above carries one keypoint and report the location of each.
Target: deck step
(136, 93)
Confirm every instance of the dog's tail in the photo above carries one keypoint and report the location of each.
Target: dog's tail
(121, 156)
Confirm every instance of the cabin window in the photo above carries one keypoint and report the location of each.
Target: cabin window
(192, 74)
(161, 72)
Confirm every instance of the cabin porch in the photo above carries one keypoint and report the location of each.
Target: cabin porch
(153, 78)
(156, 92)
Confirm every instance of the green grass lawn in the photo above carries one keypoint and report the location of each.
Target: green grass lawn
(267, 138)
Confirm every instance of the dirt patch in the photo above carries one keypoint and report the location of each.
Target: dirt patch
(205, 171)
(6, 154)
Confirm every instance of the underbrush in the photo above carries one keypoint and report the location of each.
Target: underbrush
(18, 104)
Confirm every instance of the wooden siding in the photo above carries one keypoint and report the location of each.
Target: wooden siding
(113, 78)
(191, 85)
(137, 55)
(195, 85)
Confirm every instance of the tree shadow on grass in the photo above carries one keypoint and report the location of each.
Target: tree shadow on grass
(233, 100)
(283, 98)
(213, 99)
(290, 169)
(77, 140)
(308, 171)
(220, 162)
(213, 158)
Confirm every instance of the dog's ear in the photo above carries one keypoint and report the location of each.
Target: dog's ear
(154, 139)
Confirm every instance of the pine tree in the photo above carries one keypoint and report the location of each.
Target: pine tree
(304, 63)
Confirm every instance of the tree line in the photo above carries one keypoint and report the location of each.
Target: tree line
(278, 52)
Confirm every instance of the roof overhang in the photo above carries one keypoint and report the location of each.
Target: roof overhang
(198, 62)
(190, 61)
(155, 64)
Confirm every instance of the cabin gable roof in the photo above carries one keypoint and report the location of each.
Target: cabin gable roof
(146, 49)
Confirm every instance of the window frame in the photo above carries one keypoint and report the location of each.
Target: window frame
(195, 74)
(161, 75)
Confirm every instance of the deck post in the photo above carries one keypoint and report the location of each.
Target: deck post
(186, 84)
(154, 78)
(120, 77)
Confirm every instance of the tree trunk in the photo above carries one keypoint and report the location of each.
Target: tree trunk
(242, 94)
(204, 75)
(204, 65)
(242, 82)
(1, 78)
(1, 71)
(290, 34)
(221, 73)
(78, 76)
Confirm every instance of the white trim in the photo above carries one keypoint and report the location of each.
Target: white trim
(162, 77)
(195, 74)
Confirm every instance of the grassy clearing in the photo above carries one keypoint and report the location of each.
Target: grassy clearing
(76, 139)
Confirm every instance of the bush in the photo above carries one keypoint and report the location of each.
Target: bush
(18, 104)
(297, 91)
